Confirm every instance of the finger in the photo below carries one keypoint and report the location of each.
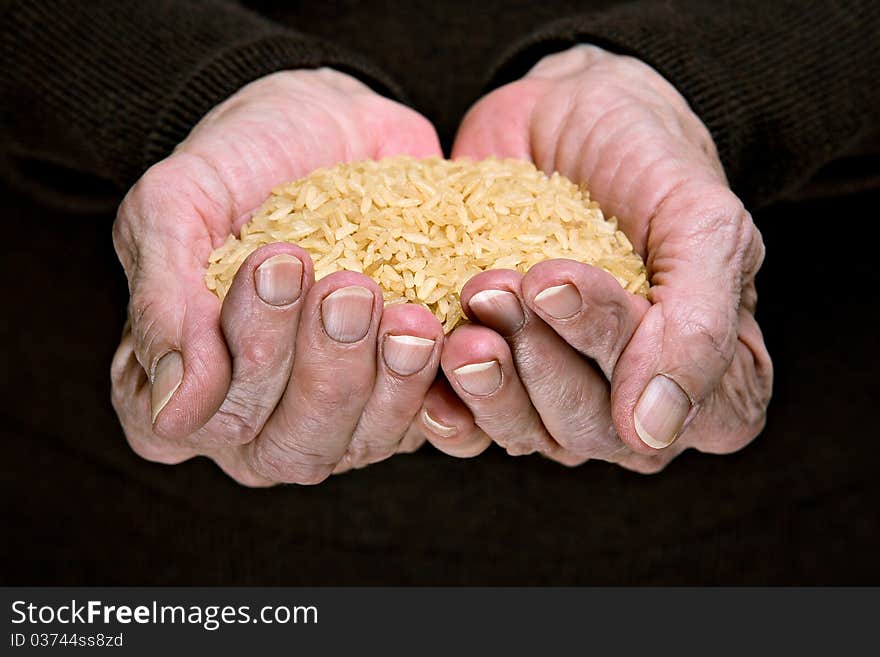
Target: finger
(180, 345)
(409, 346)
(736, 410)
(230, 460)
(260, 320)
(586, 306)
(333, 376)
(448, 424)
(700, 239)
(570, 395)
(412, 440)
(175, 319)
(130, 397)
(479, 367)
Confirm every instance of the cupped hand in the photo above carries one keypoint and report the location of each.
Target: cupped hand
(289, 379)
(564, 361)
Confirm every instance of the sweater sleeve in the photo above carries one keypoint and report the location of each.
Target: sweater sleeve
(105, 89)
(784, 87)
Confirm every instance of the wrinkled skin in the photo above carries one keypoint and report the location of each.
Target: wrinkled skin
(569, 387)
(265, 391)
(271, 397)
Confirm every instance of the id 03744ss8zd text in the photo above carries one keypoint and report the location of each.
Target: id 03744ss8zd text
(64, 639)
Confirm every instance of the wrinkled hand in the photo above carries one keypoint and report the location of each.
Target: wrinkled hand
(566, 362)
(290, 380)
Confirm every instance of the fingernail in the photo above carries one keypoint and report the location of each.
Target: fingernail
(346, 313)
(438, 427)
(279, 279)
(166, 379)
(406, 354)
(661, 412)
(498, 309)
(479, 379)
(559, 301)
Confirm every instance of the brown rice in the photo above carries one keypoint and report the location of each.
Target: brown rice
(422, 228)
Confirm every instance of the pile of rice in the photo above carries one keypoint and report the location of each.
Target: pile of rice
(422, 228)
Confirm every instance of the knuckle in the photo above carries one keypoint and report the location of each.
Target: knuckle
(719, 216)
(267, 463)
(705, 332)
(588, 436)
(601, 329)
(520, 447)
(710, 329)
(752, 249)
(749, 297)
(731, 206)
(510, 95)
(150, 315)
(517, 430)
(587, 423)
(157, 178)
(123, 242)
(359, 451)
(124, 235)
(237, 422)
(286, 463)
(749, 249)
(308, 475)
(610, 321)
(142, 195)
(327, 391)
(320, 391)
(261, 351)
(364, 452)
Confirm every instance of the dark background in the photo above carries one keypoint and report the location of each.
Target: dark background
(798, 506)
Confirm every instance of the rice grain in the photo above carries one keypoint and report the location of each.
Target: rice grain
(422, 228)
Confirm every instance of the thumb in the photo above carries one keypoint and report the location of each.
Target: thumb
(178, 342)
(702, 246)
(175, 319)
(403, 131)
(498, 125)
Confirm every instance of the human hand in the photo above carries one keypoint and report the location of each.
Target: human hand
(290, 379)
(566, 362)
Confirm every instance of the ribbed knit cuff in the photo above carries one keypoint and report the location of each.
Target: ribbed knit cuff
(109, 88)
(784, 87)
(230, 69)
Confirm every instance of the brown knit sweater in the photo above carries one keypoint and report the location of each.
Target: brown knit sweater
(94, 92)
